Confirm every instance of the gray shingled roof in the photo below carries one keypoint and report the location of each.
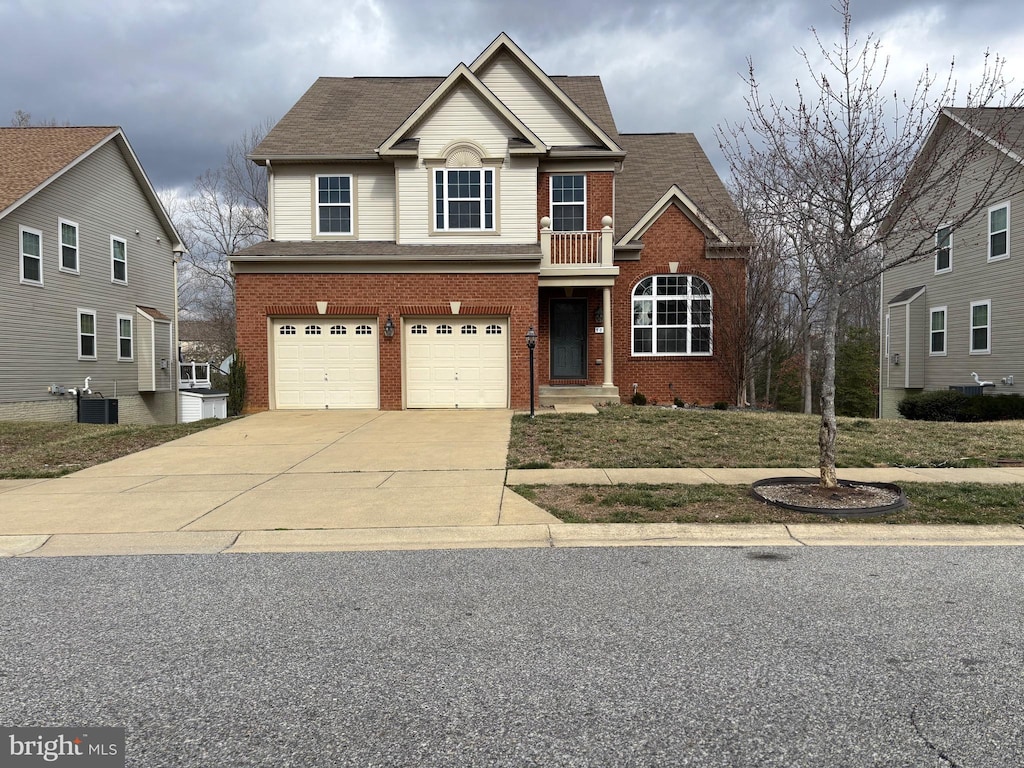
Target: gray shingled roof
(656, 161)
(1004, 125)
(30, 156)
(351, 116)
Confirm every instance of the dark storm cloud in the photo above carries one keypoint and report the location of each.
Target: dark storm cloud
(187, 78)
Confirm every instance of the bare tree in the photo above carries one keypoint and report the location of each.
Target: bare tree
(24, 119)
(840, 169)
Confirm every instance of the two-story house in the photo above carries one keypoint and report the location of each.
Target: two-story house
(87, 278)
(420, 227)
(955, 319)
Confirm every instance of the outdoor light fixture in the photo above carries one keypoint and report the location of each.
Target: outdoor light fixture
(531, 344)
(599, 315)
(389, 326)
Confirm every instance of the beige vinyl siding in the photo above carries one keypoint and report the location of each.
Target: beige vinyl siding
(294, 203)
(38, 345)
(463, 115)
(532, 104)
(972, 278)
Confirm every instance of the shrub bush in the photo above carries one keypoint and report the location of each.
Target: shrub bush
(721, 405)
(950, 405)
(236, 385)
(994, 408)
(639, 398)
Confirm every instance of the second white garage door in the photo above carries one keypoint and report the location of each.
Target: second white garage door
(456, 362)
(325, 363)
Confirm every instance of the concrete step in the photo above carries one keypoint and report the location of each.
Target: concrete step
(578, 395)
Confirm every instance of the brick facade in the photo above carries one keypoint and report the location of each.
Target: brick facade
(259, 296)
(600, 193)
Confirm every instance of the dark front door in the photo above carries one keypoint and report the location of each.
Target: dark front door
(568, 338)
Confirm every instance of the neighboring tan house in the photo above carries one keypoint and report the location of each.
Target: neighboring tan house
(421, 226)
(956, 319)
(87, 277)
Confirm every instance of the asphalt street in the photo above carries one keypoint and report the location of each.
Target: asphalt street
(591, 657)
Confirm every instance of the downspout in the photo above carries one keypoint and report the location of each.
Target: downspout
(179, 251)
(883, 359)
(270, 200)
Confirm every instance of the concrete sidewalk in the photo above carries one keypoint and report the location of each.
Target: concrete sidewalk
(357, 480)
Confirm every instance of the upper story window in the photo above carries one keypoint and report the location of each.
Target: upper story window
(334, 205)
(943, 250)
(31, 255)
(569, 203)
(998, 231)
(86, 334)
(68, 245)
(981, 325)
(118, 260)
(464, 199)
(672, 316)
(938, 331)
(124, 337)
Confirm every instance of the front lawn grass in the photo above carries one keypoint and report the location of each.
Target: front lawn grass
(933, 503)
(628, 436)
(52, 449)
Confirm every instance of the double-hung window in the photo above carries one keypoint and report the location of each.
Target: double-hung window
(981, 327)
(124, 337)
(86, 334)
(31, 255)
(569, 203)
(938, 332)
(463, 199)
(943, 250)
(672, 316)
(334, 205)
(118, 260)
(998, 231)
(68, 245)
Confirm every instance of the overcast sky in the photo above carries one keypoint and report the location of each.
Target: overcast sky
(185, 78)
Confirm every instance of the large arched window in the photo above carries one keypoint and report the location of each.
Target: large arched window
(672, 316)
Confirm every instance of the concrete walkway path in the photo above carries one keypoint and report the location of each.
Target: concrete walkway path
(349, 480)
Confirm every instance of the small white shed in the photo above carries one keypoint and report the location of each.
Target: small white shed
(197, 404)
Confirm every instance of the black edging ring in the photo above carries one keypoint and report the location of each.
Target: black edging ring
(846, 514)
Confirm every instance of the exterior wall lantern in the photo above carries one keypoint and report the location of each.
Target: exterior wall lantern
(599, 315)
(896, 358)
(389, 326)
(531, 344)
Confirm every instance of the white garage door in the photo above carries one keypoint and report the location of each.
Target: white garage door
(326, 363)
(456, 362)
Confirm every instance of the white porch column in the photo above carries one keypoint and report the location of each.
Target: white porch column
(606, 308)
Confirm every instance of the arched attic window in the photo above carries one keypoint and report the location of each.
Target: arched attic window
(463, 192)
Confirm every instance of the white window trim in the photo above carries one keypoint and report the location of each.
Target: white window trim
(551, 197)
(988, 227)
(60, 247)
(113, 279)
(350, 204)
(945, 330)
(79, 334)
(131, 337)
(949, 248)
(970, 319)
(654, 326)
(483, 199)
(21, 255)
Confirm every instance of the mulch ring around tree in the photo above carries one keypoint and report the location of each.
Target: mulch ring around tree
(849, 500)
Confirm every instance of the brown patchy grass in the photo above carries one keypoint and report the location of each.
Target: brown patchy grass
(52, 449)
(627, 436)
(930, 503)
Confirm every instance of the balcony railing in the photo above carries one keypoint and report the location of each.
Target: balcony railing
(573, 250)
(194, 376)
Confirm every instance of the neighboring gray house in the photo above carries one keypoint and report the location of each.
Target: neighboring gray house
(87, 277)
(960, 312)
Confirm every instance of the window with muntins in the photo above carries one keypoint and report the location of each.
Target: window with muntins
(569, 203)
(334, 205)
(338, 330)
(124, 337)
(68, 246)
(364, 330)
(672, 316)
(287, 330)
(998, 231)
(31, 255)
(938, 331)
(464, 199)
(981, 325)
(86, 334)
(312, 330)
(943, 250)
(118, 260)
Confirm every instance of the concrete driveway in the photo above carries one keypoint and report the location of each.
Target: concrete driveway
(288, 471)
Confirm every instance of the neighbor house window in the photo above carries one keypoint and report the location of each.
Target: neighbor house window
(569, 203)
(31, 255)
(118, 260)
(86, 334)
(464, 198)
(938, 331)
(672, 316)
(334, 205)
(68, 245)
(943, 250)
(998, 231)
(124, 337)
(981, 326)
